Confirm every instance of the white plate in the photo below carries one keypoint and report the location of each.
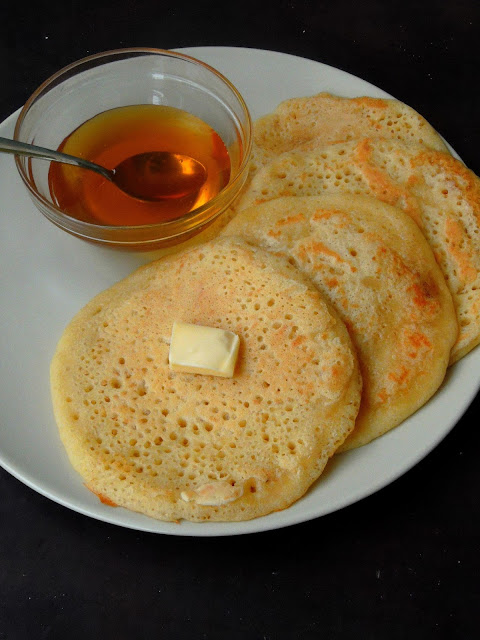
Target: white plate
(47, 276)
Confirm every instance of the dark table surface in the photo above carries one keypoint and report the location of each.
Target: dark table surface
(402, 563)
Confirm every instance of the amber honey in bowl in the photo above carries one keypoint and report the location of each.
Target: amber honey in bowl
(114, 135)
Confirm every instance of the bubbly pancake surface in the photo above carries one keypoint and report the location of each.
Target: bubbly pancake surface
(376, 268)
(434, 188)
(329, 119)
(175, 445)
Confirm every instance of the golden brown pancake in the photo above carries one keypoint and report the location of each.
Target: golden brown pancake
(434, 188)
(178, 445)
(328, 119)
(373, 264)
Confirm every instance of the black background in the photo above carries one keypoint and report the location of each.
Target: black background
(403, 563)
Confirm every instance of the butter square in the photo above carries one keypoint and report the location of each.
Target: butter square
(206, 350)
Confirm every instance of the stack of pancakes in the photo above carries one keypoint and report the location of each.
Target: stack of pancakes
(349, 270)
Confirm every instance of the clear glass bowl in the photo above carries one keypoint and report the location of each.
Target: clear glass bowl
(123, 77)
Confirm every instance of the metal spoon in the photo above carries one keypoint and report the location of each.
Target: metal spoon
(155, 175)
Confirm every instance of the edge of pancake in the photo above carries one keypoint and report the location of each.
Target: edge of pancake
(338, 119)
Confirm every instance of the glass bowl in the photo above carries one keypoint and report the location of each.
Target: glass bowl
(121, 78)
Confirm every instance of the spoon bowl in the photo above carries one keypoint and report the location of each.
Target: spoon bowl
(151, 176)
(160, 175)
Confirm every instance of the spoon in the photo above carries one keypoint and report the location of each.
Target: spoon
(155, 175)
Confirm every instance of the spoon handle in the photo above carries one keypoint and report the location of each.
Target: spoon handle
(33, 151)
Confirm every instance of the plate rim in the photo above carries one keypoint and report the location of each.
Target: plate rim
(264, 523)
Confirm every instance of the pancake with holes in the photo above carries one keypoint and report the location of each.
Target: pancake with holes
(372, 263)
(436, 190)
(329, 119)
(180, 445)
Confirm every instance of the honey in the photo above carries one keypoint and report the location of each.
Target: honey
(114, 135)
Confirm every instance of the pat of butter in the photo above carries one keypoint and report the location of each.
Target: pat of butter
(207, 350)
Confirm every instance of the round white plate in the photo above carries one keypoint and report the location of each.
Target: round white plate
(47, 276)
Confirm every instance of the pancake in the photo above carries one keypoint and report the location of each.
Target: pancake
(330, 119)
(175, 445)
(373, 264)
(434, 188)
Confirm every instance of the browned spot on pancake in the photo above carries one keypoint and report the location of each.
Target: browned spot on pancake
(381, 185)
(274, 234)
(421, 294)
(418, 340)
(318, 249)
(382, 395)
(291, 220)
(103, 499)
(401, 376)
(371, 103)
(456, 236)
(323, 215)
